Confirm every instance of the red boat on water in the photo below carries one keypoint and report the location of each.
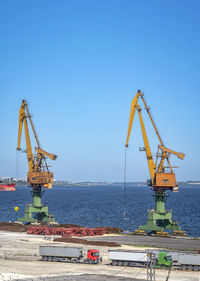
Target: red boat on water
(7, 184)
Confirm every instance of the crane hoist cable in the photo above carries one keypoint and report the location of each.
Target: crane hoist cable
(124, 186)
(17, 164)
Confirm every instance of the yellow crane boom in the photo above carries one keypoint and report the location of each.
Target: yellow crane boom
(23, 115)
(135, 106)
(147, 147)
(132, 115)
(45, 153)
(180, 155)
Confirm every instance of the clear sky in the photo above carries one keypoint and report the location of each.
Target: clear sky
(79, 64)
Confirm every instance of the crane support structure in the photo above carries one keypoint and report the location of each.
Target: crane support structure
(162, 178)
(38, 176)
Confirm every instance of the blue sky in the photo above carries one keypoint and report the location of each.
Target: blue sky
(79, 65)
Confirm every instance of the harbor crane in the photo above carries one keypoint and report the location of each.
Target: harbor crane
(162, 178)
(38, 177)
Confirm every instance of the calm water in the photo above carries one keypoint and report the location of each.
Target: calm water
(103, 206)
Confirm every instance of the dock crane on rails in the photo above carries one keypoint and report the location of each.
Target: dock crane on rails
(162, 178)
(38, 176)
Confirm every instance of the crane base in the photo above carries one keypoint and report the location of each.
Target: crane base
(160, 221)
(36, 212)
(40, 214)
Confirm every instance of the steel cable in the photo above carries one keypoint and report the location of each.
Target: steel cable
(124, 186)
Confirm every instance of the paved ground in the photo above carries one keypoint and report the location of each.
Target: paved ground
(82, 277)
(20, 260)
(163, 242)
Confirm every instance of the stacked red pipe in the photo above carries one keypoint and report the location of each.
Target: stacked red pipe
(66, 232)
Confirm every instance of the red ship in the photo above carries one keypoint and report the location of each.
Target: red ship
(7, 184)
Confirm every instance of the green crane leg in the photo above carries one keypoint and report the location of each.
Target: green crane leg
(40, 212)
(160, 219)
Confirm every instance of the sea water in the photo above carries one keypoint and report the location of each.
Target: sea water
(93, 206)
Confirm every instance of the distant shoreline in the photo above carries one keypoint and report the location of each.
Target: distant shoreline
(66, 183)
